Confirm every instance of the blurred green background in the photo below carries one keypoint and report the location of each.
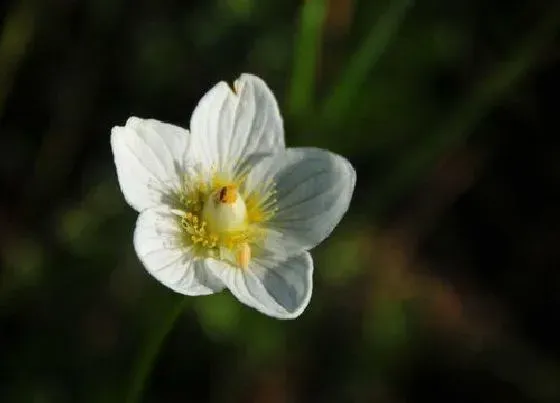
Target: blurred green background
(441, 284)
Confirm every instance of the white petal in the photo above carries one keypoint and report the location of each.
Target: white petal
(314, 188)
(157, 243)
(275, 287)
(229, 127)
(149, 156)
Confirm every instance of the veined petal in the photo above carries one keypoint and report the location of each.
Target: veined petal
(274, 286)
(229, 126)
(314, 188)
(157, 240)
(149, 156)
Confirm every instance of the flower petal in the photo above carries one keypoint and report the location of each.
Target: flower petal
(229, 127)
(313, 191)
(157, 243)
(149, 156)
(275, 287)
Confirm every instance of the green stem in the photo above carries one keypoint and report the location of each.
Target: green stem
(149, 353)
(306, 53)
(364, 60)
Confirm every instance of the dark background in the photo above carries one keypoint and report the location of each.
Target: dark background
(442, 282)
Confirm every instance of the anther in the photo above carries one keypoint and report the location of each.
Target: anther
(243, 255)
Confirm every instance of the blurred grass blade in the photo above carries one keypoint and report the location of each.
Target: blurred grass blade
(380, 35)
(306, 53)
(17, 30)
(481, 99)
(149, 352)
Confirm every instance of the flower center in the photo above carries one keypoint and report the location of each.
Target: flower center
(219, 219)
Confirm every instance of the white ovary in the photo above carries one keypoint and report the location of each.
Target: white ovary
(225, 211)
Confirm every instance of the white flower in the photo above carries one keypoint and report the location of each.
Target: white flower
(228, 205)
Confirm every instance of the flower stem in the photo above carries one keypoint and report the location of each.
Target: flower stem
(149, 351)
